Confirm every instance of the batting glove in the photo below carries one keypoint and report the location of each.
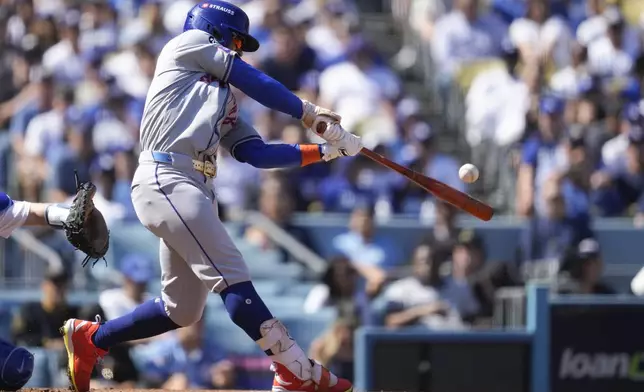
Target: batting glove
(312, 115)
(349, 145)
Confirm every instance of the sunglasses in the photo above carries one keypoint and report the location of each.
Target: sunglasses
(238, 41)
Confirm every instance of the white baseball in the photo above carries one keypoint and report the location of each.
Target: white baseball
(468, 173)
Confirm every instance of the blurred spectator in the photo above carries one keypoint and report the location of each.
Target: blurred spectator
(541, 158)
(575, 180)
(148, 24)
(112, 196)
(334, 349)
(463, 36)
(276, 203)
(340, 288)
(290, 60)
(547, 236)
(497, 103)
(99, 27)
(65, 60)
(568, 81)
(416, 300)
(65, 159)
(468, 258)
(37, 323)
(359, 181)
(137, 271)
(332, 33)
(542, 37)
(20, 22)
(593, 24)
(235, 184)
(367, 250)
(444, 232)
(621, 185)
(419, 151)
(187, 360)
(608, 56)
(356, 87)
(44, 133)
(632, 119)
(583, 264)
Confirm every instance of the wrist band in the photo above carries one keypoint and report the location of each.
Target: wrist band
(311, 153)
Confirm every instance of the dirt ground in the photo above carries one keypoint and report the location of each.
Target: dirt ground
(120, 390)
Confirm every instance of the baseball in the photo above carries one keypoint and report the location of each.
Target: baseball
(468, 173)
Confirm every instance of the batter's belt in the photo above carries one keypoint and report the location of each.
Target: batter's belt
(207, 168)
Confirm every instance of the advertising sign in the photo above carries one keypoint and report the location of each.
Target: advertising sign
(445, 366)
(597, 348)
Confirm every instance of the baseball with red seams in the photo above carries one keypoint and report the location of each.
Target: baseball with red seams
(468, 173)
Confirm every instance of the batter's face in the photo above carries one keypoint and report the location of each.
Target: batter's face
(236, 45)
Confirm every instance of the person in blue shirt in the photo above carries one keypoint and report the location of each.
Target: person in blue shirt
(362, 245)
(543, 155)
(547, 236)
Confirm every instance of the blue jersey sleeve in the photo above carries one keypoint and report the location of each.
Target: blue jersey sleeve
(259, 154)
(5, 201)
(264, 89)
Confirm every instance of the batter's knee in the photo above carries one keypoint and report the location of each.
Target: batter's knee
(185, 316)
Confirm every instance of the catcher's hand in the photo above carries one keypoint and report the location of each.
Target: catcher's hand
(85, 227)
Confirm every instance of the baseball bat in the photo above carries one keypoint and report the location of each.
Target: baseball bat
(458, 199)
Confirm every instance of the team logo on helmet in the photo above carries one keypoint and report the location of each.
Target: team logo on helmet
(218, 8)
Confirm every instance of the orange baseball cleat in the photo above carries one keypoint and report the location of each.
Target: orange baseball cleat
(82, 354)
(322, 380)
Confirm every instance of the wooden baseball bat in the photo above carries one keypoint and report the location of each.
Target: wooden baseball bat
(439, 189)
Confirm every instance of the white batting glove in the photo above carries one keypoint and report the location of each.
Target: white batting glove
(312, 115)
(333, 133)
(349, 145)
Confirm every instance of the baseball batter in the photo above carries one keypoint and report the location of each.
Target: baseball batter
(191, 112)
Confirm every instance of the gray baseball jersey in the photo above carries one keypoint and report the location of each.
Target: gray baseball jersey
(189, 111)
(189, 108)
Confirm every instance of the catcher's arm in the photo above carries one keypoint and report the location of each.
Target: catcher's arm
(41, 214)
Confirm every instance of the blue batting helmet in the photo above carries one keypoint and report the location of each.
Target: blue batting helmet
(222, 20)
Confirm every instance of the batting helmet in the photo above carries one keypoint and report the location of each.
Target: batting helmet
(224, 21)
(16, 366)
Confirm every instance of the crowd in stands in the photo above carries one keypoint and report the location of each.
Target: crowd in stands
(550, 97)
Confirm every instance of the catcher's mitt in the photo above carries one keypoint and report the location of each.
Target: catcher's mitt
(85, 227)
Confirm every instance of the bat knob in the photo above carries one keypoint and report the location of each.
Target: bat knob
(320, 128)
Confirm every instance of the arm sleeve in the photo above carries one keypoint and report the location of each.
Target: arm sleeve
(245, 145)
(264, 89)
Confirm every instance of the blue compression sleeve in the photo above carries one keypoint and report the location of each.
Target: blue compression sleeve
(257, 153)
(264, 89)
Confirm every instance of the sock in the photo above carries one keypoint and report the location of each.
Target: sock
(147, 320)
(246, 309)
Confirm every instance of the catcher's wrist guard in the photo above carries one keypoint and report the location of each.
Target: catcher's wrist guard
(56, 215)
(85, 226)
